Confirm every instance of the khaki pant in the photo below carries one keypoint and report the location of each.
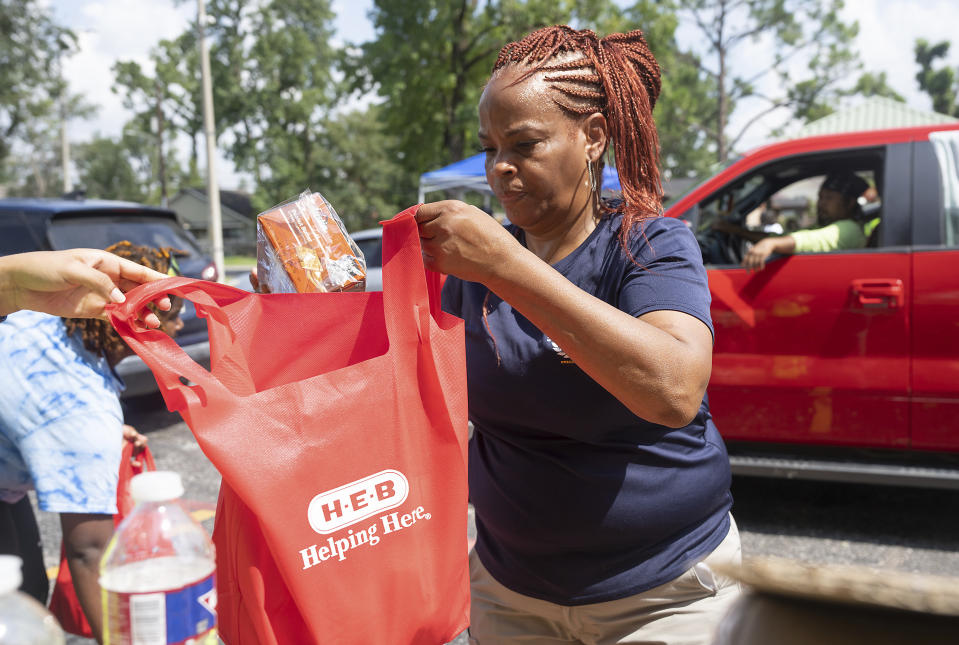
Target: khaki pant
(684, 611)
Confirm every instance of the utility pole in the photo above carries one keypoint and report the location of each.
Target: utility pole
(212, 186)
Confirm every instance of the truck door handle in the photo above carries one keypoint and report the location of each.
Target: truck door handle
(878, 293)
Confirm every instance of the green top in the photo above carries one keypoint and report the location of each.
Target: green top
(844, 234)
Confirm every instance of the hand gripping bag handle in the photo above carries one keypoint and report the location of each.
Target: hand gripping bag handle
(165, 358)
(410, 294)
(410, 291)
(128, 471)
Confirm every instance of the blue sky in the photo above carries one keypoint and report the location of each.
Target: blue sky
(111, 30)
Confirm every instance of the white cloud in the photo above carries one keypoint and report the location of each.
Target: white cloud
(887, 33)
(352, 23)
(888, 30)
(111, 30)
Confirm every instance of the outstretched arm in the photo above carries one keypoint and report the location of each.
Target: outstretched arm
(755, 258)
(739, 231)
(76, 283)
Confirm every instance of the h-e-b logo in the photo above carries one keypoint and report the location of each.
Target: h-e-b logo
(350, 503)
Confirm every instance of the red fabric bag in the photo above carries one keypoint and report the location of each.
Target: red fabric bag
(64, 604)
(338, 422)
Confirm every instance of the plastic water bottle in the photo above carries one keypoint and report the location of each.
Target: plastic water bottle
(157, 575)
(23, 621)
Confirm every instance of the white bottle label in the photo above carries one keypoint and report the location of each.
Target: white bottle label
(172, 617)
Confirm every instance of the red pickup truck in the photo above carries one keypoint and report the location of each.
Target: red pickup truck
(840, 365)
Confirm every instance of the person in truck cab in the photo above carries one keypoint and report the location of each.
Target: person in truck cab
(840, 225)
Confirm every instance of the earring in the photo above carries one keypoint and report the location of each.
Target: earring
(592, 177)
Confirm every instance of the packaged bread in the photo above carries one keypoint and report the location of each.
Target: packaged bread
(303, 247)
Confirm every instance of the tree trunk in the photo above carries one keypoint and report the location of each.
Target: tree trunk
(257, 164)
(453, 140)
(38, 175)
(194, 156)
(309, 164)
(161, 156)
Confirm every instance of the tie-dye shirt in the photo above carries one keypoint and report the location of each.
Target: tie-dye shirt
(61, 425)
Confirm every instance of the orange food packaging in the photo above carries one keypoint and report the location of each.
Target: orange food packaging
(302, 246)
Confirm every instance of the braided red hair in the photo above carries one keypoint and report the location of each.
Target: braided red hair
(616, 76)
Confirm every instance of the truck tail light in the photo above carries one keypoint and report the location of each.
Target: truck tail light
(209, 272)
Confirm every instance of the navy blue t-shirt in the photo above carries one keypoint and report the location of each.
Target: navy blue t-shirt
(577, 499)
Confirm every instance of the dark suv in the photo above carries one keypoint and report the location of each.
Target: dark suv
(51, 224)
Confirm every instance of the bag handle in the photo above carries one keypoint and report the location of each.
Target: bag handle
(165, 358)
(410, 290)
(410, 293)
(127, 472)
(145, 458)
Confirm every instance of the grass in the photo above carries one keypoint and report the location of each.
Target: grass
(239, 260)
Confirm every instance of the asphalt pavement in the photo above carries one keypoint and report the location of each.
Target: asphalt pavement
(889, 528)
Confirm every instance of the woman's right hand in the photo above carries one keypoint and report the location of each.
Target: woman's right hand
(461, 240)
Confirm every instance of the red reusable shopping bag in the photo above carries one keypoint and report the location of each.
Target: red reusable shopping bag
(64, 603)
(338, 422)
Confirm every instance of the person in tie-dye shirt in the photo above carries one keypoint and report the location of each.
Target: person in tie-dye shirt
(61, 429)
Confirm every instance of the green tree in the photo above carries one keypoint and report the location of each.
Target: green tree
(940, 83)
(363, 180)
(165, 104)
(685, 104)
(430, 59)
(105, 170)
(31, 48)
(273, 68)
(804, 34)
(870, 84)
(822, 102)
(37, 168)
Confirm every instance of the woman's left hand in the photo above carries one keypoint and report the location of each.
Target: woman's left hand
(461, 240)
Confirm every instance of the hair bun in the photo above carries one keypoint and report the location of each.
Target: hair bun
(635, 50)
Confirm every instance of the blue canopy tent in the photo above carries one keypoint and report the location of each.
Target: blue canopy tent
(470, 174)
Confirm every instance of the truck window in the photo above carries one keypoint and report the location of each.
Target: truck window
(794, 207)
(780, 198)
(946, 145)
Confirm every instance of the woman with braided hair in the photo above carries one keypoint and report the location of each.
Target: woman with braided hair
(61, 432)
(600, 483)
